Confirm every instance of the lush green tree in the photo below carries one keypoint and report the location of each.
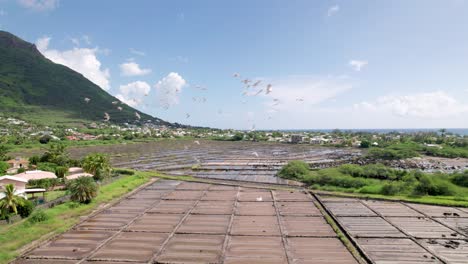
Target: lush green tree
(276, 134)
(82, 189)
(26, 208)
(10, 202)
(238, 136)
(295, 169)
(4, 153)
(96, 163)
(365, 144)
(3, 167)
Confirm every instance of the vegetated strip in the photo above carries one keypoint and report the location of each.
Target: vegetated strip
(22, 237)
(345, 238)
(431, 200)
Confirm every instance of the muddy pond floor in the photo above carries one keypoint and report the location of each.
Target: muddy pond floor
(192, 222)
(238, 161)
(240, 216)
(187, 222)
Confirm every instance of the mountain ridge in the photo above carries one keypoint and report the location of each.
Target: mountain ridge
(32, 85)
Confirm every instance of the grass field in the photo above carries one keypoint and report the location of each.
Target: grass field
(62, 217)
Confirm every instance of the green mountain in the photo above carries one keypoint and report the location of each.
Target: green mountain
(36, 89)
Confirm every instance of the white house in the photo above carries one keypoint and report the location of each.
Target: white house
(36, 175)
(19, 183)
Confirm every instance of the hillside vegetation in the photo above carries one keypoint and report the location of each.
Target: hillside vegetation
(34, 88)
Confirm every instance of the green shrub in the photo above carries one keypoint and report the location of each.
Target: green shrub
(432, 186)
(61, 171)
(123, 172)
(391, 188)
(365, 144)
(391, 154)
(295, 169)
(82, 189)
(343, 181)
(374, 171)
(38, 216)
(26, 208)
(460, 179)
(43, 183)
(47, 166)
(21, 170)
(3, 167)
(34, 160)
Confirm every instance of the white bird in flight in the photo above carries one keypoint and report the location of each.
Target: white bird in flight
(269, 89)
(137, 115)
(106, 117)
(256, 83)
(259, 199)
(255, 154)
(115, 102)
(259, 92)
(197, 142)
(119, 108)
(87, 99)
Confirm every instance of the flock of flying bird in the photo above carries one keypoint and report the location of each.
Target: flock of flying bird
(106, 115)
(251, 88)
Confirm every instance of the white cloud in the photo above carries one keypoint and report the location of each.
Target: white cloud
(358, 64)
(333, 10)
(39, 5)
(133, 93)
(169, 89)
(133, 69)
(82, 60)
(433, 105)
(137, 52)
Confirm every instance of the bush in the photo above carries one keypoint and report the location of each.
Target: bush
(295, 169)
(123, 172)
(460, 179)
(61, 171)
(391, 154)
(43, 183)
(82, 189)
(47, 166)
(364, 144)
(34, 160)
(38, 216)
(375, 171)
(432, 186)
(343, 181)
(21, 170)
(391, 188)
(4, 167)
(45, 139)
(25, 209)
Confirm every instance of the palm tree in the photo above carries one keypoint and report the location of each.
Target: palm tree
(83, 189)
(96, 162)
(10, 202)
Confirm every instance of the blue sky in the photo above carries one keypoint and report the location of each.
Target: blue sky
(331, 64)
